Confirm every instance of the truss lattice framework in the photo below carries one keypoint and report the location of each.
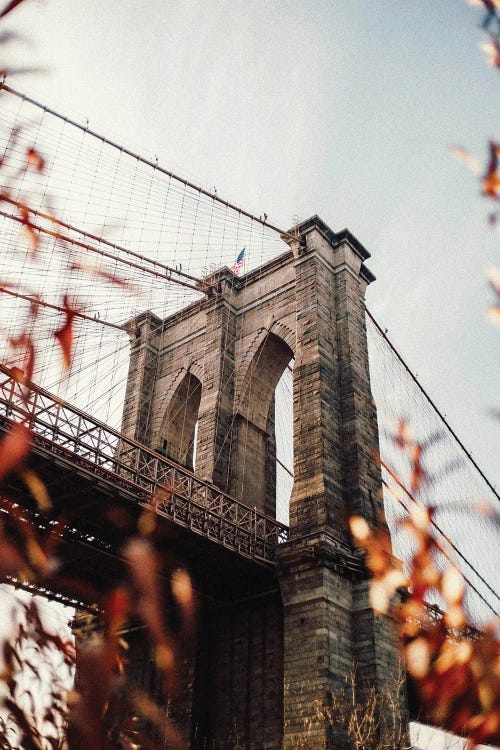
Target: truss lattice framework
(171, 490)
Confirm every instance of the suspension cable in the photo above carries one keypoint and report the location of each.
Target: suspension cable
(43, 303)
(443, 551)
(104, 253)
(435, 525)
(148, 163)
(167, 269)
(431, 402)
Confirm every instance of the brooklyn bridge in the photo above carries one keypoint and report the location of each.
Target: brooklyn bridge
(252, 409)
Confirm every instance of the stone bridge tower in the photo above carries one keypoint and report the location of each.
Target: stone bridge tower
(201, 385)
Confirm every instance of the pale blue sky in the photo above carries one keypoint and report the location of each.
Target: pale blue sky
(345, 109)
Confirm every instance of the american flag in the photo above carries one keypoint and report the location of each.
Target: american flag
(239, 262)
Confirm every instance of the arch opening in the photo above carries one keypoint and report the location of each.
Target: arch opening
(284, 443)
(178, 433)
(254, 467)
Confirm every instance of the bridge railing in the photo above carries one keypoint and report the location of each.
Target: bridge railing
(171, 490)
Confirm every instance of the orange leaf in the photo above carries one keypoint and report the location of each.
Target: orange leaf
(492, 52)
(463, 155)
(35, 160)
(29, 229)
(417, 472)
(65, 334)
(418, 657)
(144, 569)
(359, 528)
(37, 489)
(454, 617)
(491, 179)
(182, 589)
(106, 275)
(14, 449)
(452, 585)
(380, 597)
(494, 314)
(25, 341)
(421, 517)
(403, 437)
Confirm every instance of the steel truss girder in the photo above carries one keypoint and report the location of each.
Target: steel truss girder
(67, 433)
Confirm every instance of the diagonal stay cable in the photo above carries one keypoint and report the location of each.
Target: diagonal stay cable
(438, 529)
(433, 405)
(147, 162)
(443, 551)
(101, 240)
(71, 241)
(39, 301)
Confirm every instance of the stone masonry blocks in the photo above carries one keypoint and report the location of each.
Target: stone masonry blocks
(264, 665)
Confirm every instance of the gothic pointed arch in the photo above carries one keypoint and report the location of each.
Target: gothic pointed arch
(263, 372)
(248, 358)
(177, 434)
(253, 454)
(284, 333)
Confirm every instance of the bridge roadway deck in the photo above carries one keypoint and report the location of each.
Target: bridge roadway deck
(93, 471)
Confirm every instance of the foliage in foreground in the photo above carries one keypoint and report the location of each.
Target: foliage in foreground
(457, 676)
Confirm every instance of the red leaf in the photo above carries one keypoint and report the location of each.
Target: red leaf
(118, 606)
(418, 473)
(491, 180)
(35, 160)
(144, 568)
(65, 334)
(403, 437)
(29, 228)
(25, 341)
(106, 275)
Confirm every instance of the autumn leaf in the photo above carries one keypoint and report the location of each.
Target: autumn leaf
(359, 528)
(387, 577)
(158, 718)
(182, 590)
(420, 518)
(35, 160)
(452, 585)
(64, 335)
(105, 275)
(467, 158)
(403, 436)
(492, 51)
(144, 569)
(14, 449)
(491, 179)
(494, 310)
(25, 342)
(117, 609)
(418, 657)
(487, 4)
(28, 228)
(37, 489)
(417, 470)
